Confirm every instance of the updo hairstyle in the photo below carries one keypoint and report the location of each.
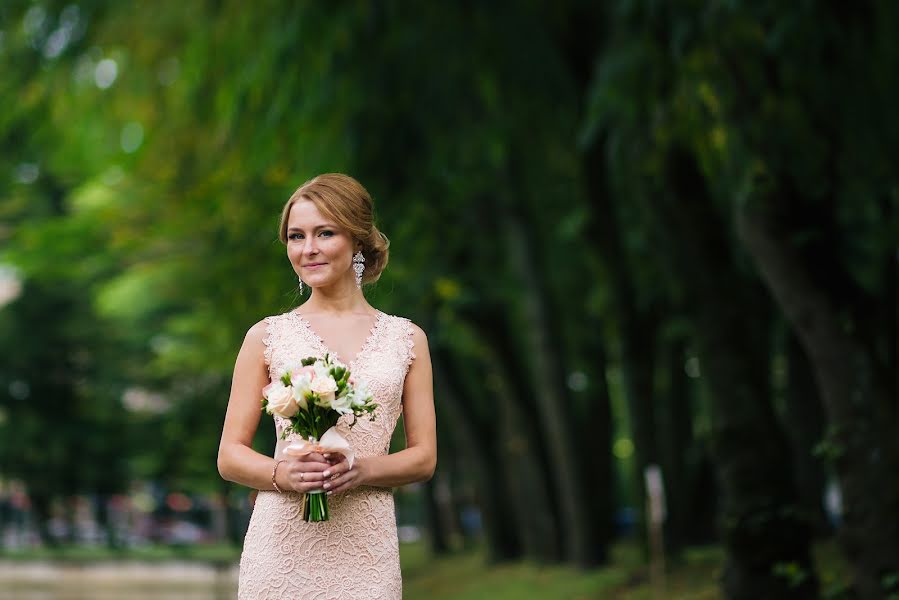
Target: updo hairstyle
(342, 199)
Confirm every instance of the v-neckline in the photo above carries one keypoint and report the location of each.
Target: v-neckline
(323, 347)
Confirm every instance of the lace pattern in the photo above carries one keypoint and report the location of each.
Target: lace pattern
(355, 555)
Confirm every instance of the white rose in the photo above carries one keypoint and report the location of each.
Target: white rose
(280, 400)
(323, 385)
(342, 405)
(325, 400)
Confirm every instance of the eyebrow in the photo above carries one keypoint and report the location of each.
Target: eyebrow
(316, 228)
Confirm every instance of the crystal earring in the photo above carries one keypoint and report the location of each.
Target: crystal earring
(301, 285)
(358, 267)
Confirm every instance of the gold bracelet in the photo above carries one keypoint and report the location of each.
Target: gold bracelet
(275, 472)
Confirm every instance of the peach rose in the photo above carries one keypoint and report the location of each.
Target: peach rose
(280, 400)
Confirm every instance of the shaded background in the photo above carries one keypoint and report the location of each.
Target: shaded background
(637, 233)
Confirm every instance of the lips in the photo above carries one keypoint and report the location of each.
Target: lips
(313, 265)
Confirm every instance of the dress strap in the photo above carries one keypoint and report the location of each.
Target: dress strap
(401, 338)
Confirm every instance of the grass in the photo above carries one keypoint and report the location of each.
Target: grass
(468, 577)
(694, 577)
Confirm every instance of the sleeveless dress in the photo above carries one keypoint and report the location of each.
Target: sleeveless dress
(355, 555)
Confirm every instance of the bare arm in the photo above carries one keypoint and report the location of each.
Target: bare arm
(418, 460)
(237, 461)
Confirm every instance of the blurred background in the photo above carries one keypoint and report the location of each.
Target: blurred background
(655, 246)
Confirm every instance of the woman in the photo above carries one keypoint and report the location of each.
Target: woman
(334, 248)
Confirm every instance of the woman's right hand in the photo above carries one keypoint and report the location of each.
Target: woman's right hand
(303, 473)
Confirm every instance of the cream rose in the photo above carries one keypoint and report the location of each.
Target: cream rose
(323, 385)
(325, 388)
(280, 400)
(325, 400)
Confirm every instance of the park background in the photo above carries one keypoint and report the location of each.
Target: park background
(637, 233)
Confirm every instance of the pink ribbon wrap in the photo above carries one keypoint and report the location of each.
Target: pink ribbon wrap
(331, 442)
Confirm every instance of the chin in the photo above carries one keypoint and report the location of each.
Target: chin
(319, 282)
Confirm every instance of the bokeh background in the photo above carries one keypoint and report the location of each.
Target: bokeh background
(653, 244)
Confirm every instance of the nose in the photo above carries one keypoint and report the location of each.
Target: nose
(309, 246)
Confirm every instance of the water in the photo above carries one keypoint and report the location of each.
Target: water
(114, 581)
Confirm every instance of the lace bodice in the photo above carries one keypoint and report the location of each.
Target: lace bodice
(382, 363)
(355, 555)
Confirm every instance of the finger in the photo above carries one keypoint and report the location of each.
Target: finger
(305, 482)
(313, 457)
(300, 473)
(340, 483)
(311, 476)
(337, 469)
(308, 466)
(343, 485)
(310, 487)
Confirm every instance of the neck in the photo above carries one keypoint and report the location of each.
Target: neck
(337, 299)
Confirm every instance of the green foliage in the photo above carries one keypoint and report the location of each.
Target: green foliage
(889, 582)
(830, 448)
(792, 572)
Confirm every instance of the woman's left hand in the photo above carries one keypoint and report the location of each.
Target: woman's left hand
(340, 477)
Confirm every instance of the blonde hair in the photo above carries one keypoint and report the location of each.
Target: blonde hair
(343, 200)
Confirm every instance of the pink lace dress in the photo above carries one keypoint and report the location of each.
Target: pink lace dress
(355, 555)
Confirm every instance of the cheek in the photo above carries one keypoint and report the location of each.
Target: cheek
(294, 252)
(336, 248)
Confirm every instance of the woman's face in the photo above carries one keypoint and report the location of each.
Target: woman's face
(321, 253)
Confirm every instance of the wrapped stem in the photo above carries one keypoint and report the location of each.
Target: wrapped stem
(315, 507)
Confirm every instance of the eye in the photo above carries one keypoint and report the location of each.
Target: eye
(295, 236)
(326, 233)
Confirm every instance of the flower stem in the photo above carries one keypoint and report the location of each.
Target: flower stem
(316, 508)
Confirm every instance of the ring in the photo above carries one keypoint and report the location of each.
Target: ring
(302, 476)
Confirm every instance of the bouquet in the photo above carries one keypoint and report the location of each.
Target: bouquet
(313, 397)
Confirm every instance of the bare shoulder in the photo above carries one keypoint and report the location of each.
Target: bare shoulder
(418, 334)
(256, 334)
(256, 341)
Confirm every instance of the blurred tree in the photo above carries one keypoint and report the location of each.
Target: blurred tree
(646, 131)
(816, 146)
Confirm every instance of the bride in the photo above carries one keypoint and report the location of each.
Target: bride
(333, 247)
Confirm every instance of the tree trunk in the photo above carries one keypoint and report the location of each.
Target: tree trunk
(806, 424)
(101, 514)
(594, 435)
(41, 505)
(862, 438)
(676, 435)
(578, 522)
(579, 39)
(637, 325)
(531, 497)
(764, 537)
(474, 440)
(439, 536)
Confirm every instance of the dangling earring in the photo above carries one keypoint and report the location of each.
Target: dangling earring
(358, 267)
(301, 285)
